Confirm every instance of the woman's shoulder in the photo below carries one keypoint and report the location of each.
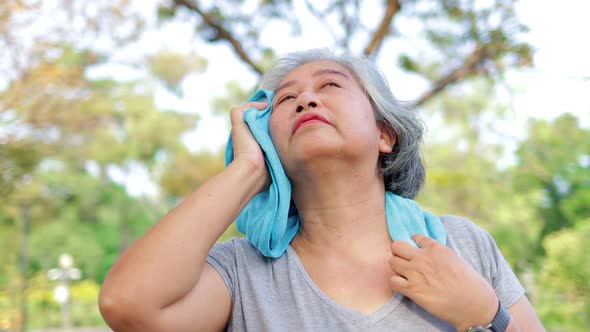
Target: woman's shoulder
(236, 246)
(479, 249)
(468, 239)
(240, 253)
(234, 242)
(463, 229)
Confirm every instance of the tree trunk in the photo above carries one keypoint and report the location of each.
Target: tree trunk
(24, 267)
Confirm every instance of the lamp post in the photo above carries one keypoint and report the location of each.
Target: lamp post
(64, 274)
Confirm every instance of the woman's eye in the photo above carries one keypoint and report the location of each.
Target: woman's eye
(285, 98)
(332, 84)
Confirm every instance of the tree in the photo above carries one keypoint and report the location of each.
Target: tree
(554, 160)
(463, 173)
(563, 279)
(553, 163)
(462, 39)
(65, 133)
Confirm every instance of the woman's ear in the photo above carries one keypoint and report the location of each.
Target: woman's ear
(387, 138)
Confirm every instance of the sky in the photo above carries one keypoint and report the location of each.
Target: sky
(558, 83)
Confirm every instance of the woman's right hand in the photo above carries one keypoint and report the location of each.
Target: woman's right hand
(246, 149)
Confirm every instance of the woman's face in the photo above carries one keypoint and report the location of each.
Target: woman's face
(321, 112)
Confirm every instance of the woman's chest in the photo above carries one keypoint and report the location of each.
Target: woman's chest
(284, 296)
(361, 286)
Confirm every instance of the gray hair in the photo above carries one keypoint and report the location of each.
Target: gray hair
(402, 169)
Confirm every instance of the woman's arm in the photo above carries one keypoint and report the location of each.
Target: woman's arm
(524, 317)
(162, 281)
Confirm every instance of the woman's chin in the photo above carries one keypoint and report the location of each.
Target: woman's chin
(316, 148)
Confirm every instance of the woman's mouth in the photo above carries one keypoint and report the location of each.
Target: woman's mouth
(308, 118)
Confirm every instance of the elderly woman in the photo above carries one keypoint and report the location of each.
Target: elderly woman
(351, 154)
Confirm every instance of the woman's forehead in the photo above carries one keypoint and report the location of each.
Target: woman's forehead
(317, 68)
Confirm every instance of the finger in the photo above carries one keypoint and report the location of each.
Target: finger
(251, 104)
(423, 241)
(237, 113)
(398, 283)
(259, 104)
(400, 266)
(403, 249)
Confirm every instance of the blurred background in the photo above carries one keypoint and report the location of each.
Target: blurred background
(111, 111)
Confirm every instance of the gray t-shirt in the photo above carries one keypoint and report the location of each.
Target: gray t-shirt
(278, 295)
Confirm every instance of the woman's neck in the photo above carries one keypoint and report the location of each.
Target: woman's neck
(341, 214)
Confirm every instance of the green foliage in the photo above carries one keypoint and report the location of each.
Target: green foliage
(564, 302)
(232, 231)
(407, 63)
(186, 171)
(455, 29)
(45, 312)
(236, 95)
(58, 123)
(551, 159)
(172, 67)
(17, 158)
(554, 149)
(51, 239)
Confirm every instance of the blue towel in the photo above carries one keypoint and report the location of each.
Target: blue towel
(270, 220)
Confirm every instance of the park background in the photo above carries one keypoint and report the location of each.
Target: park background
(112, 111)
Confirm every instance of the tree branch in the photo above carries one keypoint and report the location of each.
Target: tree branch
(468, 67)
(222, 33)
(393, 6)
(322, 15)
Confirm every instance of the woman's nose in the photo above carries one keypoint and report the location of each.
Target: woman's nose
(306, 100)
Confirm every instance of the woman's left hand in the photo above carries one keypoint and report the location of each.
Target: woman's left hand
(442, 283)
